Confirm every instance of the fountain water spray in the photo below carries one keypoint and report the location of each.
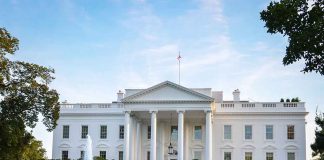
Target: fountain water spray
(88, 152)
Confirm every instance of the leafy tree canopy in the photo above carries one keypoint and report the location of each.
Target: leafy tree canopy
(318, 145)
(24, 93)
(34, 150)
(302, 21)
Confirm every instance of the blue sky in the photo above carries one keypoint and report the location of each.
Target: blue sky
(98, 48)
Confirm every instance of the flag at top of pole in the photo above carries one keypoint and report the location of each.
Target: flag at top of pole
(179, 58)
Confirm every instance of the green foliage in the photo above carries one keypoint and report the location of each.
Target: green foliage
(24, 94)
(302, 21)
(98, 158)
(318, 145)
(34, 150)
(287, 100)
(282, 100)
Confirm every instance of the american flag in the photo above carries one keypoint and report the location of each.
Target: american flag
(179, 57)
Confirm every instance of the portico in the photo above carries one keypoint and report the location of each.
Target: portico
(161, 108)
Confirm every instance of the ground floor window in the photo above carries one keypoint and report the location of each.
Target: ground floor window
(120, 155)
(269, 156)
(148, 155)
(102, 154)
(65, 155)
(248, 156)
(227, 156)
(82, 154)
(291, 155)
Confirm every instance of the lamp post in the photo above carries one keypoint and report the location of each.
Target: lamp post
(170, 147)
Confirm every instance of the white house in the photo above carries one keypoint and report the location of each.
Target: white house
(171, 122)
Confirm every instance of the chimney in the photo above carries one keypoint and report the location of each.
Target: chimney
(236, 95)
(120, 96)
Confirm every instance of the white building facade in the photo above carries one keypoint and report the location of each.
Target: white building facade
(171, 122)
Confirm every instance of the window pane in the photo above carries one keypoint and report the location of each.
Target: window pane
(197, 155)
(66, 131)
(102, 154)
(103, 132)
(197, 133)
(291, 132)
(65, 155)
(227, 132)
(248, 155)
(121, 132)
(84, 131)
(148, 155)
(291, 156)
(174, 133)
(82, 155)
(269, 156)
(269, 132)
(148, 132)
(248, 132)
(120, 155)
(227, 156)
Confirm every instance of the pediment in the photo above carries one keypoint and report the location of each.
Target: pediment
(82, 146)
(291, 147)
(120, 147)
(269, 147)
(167, 91)
(64, 145)
(102, 146)
(227, 147)
(250, 147)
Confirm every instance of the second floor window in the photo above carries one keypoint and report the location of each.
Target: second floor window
(174, 133)
(197, 133)
(227, 132)
(248, 132)
(84, 132)
(148, 132)
(66, 130)
(269, 132)
(103, 132)
(121, 132)
(290, 132)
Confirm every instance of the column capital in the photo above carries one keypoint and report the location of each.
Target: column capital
(153, 111)
(207, 110)
(181, 110)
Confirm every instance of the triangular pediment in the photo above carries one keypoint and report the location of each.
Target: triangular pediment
(167, 91)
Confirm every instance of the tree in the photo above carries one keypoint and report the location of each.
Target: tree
(282, 100)
(24, 94)
(302, 21)
(318, 145)
(34, 150)
(287, 100)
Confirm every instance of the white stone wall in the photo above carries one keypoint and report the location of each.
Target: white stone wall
(280, 145)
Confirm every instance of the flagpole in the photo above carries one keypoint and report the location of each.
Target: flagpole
(179, 58)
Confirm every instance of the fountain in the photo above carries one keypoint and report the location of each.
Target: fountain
(88, 152)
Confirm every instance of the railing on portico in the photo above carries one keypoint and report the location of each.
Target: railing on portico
(260, 106)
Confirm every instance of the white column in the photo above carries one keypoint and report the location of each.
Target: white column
(208, 135)
(180, 135)
(153, 135)
(138, 141)
(127, 135)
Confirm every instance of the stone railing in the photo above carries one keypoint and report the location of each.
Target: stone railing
(261, 106)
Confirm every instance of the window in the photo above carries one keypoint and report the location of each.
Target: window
(174, 133)
(197, 155)
(84, 131)
(82, 155)
(291, 156)
(66, 131)
(248, 131)
(269, 156)
(227, 156)
(148, 132)
(148, 155)
(120, 155)
(103, 132)
(65, 155)
(227, 132)
(269, 132)
(291, 132)
(121, 132)
(102, 154)
(248, 156)
(197, 133)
